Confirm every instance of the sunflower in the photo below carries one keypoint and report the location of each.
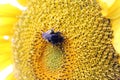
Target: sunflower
(90, 49)
(9, 10)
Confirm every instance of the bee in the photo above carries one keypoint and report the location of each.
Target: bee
(53, 37)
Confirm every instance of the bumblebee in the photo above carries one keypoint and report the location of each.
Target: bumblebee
(53, 37)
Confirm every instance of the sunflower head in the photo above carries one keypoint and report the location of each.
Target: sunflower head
(86, 52)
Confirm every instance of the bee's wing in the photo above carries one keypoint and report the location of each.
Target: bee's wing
(46, 36)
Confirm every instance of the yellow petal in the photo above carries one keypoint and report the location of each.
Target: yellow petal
(5, 47)
(5, 55)
(7, 20)
(110, 8)
(9, 10)
(10, 77)
(116, 39)
(6, 63)
(6, 25)
(114, 10)
(22, 2)
(106, 4)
